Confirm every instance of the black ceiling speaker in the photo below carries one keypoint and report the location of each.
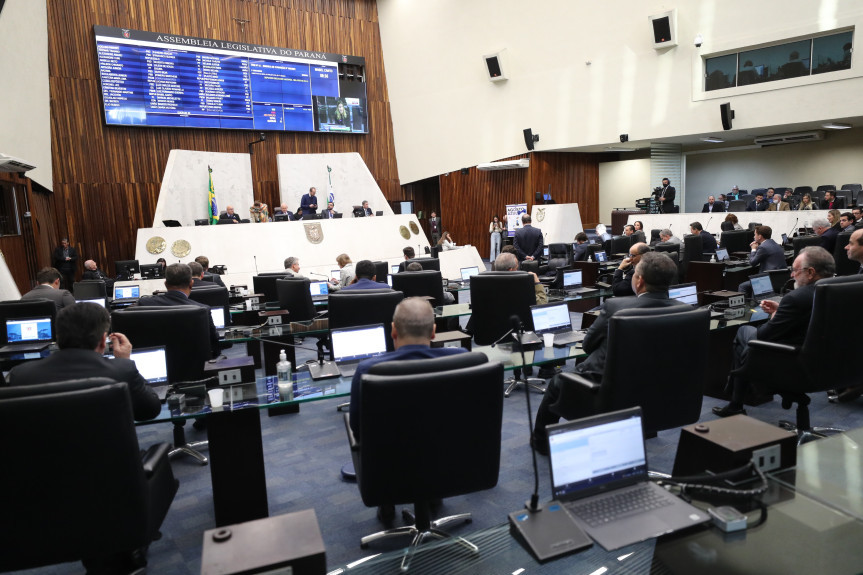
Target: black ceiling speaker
(530, 138)
(727, 115)
(624, 138)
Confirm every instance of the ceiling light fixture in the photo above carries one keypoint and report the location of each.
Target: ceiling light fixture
(619, 149)
(836, 126)
(712, 140)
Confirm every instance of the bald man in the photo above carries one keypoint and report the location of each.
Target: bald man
(229, 217)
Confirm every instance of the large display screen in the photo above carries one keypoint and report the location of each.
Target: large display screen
(151, 79)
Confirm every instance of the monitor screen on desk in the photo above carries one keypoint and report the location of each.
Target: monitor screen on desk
(151, 362)
(467, 273)
(126, 292)
(721, 254)
(218, 315)
(319, 288)
(545, 251)
(601, 257)
(686, 293)
(29, 330)
(98, 301)
(358, 342)
(394, 268)
(572, 279)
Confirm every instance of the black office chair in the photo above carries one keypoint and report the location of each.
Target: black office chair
(89, 289)
(795, 371)
(668, 386)
(559, 251)
(213, 296)
(185, 332)
(266, 284)
(76, 484)
(846, 195)
(756, 191)
(404, 455)
(426, 263)
(752, 225)
(495, 297)
(693, 248)
(591, 251)
(737, 205)
(737, 240)
(800, 242)
(427, 283)
(778, 278)
(382, 270)
(807, 189)
(844, 266)
(855, 191)
(654, 237)
(295, 296)
(620, 244)
(434, 251)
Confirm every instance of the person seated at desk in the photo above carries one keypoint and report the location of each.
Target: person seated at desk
(367, 211)
(259, 212)
(713, 206)
(857, 212)
(831, 202)
(446, 242)
(708, 242)
(93, 273)
(637, 235)
(178, 282)
(508, 262)
(198, 280)
(777, 204)
(330, 212)
(283, 210)
(730, 223)
(229, 216)
(366, 274)
(759, 204)
(723, 199)
(292, 267)
(667, 236)
(847, 222)
(48, 280)
(205, 263)
(309, 203)
(766, 255)
(621, 284)
(827, 232)
(653, 274)
(788, 323)
(579, 254)
(346, 272)
(82, 329)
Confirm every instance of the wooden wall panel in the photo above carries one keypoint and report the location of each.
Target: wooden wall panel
(469, 201)
(107, 179)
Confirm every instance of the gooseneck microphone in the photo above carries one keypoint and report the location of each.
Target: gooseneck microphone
(794, 227)
(256, 264)
(518, 332)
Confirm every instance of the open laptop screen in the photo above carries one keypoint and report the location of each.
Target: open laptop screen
(467, 273)
(218, 315)
(686, 293)
(151, 362)
(571, 279)
(394, 268)
(761, 284)
(545, 251)
(358, 342)
(550, 317)
(319, 288)
(721, 254)
(32, 329)
(595, 453)
(98, 301)
(123, 292)
(601, 257)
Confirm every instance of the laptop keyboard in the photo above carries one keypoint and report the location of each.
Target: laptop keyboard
(602, 510)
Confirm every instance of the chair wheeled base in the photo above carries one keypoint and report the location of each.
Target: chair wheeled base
(803, 428)
(182, 447)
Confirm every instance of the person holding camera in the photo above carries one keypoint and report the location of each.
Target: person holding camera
(665, 196)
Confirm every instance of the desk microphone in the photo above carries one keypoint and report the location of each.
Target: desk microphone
(256, 264)
(707, 225)
(548, 531)
(794, 227)
(319, 275)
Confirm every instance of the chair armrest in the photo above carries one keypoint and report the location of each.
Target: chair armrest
(583, 382)
(154, 457)
(774, 347)
(352, 440)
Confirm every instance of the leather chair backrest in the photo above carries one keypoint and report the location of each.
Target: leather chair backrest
(294, 296)
(382, 270)
(807, 189)
(737, 240)
(753, 225)
(693, 248)
(26, 308)
(418, 284)
(266, 284)
(778, 278)
(669, 385)
(654, 237)
(495, 296)
(737, 205)
(620, 244)
(364, 307)
(844, 266)
(560, 250)
(89, 289)
(407, 455)
(800, 242)
(427, 263)
(184, 330)
(822, 188)
(84, 491)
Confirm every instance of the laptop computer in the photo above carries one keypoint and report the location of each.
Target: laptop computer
(320, 290)
(554, 318)
(762, 288)
(467, 273)
(28, 334)
(599, 473)
(152, 364)
(722, 255)
(336, 274)
(127, 292)
(572, 283)
(601, 256)
(350, 346)
(96, 300)
(217, 312)
(686, 293)
(394, 268)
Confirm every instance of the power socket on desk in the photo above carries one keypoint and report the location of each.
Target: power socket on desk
(230, 377)
(274, 320)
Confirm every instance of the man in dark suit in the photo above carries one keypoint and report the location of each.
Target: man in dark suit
(708, 242)
(209, 276)
(48, 280)
(759, 204)
(365, 277)
(580, 251)
(827, 232)
(766, 255)
(81, 332)
(283, 210)
(789, 320)
(857, 212)
(712, 206)
(65, 260)
(93, 273)
(330, 212)
(831, 202)
(665, 196)
(229, 217)
(527, 241)
(621, 284)
(198, 280)
(367, 211)
(434, 228)
(178, 281)
(309, 203)
(653, 274)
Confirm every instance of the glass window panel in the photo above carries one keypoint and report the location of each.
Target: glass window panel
(721, 72)
(774, 63)
(832, 53)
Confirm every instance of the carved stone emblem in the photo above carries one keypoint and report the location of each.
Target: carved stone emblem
(314, 233)
(181, 248)
(414, 228)
(403, 230)
(540, 214)
(156, 245)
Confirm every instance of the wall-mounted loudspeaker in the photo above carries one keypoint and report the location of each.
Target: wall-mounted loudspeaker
(624, 138)
(530, 138)
(727, 115)
(664, 27)
(494, 67)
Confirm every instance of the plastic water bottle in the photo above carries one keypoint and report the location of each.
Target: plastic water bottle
(283, 369)
(713, 258)
(590, 258)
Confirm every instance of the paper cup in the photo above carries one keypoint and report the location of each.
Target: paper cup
(548, 339)
(217, 397)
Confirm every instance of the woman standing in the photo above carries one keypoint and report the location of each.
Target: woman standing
(495, 228)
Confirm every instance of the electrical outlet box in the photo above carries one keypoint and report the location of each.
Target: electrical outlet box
(253, 300)
(768, 458)
(231, 371)
(230, 377)
(274, 320)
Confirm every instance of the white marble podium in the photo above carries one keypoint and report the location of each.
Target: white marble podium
(451, 261)
(248, 249)
(559, 222)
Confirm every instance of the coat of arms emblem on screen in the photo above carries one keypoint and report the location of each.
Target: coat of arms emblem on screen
(540, 214)
(314, 233)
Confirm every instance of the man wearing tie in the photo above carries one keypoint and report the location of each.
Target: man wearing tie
(309, 203)
(367, 211)
(712, 206)
(758, 204)
(331, 211)
(830, 202)
(434, 228)
(665, 196)
(66, 262)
